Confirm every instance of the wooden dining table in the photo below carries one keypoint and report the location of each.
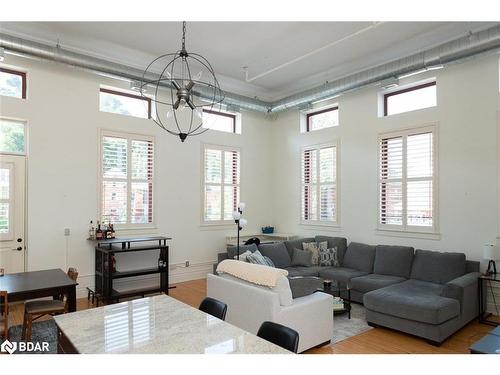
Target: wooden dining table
(23, 286)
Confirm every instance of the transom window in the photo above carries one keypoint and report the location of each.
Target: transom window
(127, 163)
(319, 184)
(12, 83)
(407, 180)
(221, 183)
(321, 119)
(221, 121)
(12, 137)
(124, 103)
(410, 99)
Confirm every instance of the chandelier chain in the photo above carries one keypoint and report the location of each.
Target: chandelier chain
(184, 35)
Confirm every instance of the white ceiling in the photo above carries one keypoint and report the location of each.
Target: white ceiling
(299, 55)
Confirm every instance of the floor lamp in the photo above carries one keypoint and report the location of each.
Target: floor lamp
(240, 224)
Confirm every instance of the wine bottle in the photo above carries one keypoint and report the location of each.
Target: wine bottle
(98, 232)
(108, 232)
(91, 231)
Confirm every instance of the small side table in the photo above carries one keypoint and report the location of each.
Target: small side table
(483, 315)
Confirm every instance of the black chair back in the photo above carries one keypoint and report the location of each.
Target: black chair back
(279, 335)
(253, 240)
(214, 307)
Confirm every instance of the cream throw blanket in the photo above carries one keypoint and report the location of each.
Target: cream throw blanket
(254, 273)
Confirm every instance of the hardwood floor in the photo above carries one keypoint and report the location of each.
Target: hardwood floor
(374, 341)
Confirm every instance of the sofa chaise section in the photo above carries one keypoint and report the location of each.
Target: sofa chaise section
(437, 300)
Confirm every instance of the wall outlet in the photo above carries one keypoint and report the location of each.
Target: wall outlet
(66, 231)
(187, 263)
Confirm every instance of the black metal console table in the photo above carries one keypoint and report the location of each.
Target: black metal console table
(485, 279)
(105, 274)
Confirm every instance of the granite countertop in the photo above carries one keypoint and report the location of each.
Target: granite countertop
(157, 325)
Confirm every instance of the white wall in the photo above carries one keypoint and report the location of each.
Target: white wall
(466, 118)
(63, 117)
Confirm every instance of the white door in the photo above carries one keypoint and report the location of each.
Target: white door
(12, 201)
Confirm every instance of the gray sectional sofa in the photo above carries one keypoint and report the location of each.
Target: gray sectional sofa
(428, 294)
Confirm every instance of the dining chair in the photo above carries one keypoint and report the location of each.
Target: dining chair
(279, 335)
(34, 310)
(214, 307)
(4, 314)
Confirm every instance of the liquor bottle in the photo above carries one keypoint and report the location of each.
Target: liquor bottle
(113, 264)
(108, 232)
(113, 234)
(98, 232)
(91, 231)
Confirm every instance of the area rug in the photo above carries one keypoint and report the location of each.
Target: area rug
(343, 327)
(45, 331)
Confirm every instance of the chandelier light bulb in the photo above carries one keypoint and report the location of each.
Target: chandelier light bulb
(168, 115)
(242, 206)
(199, 75)
(236, 215)
(198, 112)
(182, 104)
(243, 223)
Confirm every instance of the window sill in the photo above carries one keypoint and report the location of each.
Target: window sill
(408, 234)
(217, 226)
(137, 230)
(321, 226)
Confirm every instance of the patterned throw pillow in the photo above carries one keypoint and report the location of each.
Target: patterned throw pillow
(314, 248)
(257, 258)
(329, 257)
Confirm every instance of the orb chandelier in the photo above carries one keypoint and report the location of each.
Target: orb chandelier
(184, 83)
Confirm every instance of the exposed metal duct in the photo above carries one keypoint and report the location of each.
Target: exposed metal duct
(446, 53)
(450, 52)
(58, 54)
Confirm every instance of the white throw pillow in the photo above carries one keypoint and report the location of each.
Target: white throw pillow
(243, 257)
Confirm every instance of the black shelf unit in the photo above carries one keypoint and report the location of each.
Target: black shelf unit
(104, 275)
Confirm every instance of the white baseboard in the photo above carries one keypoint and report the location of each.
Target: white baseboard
(178, 274)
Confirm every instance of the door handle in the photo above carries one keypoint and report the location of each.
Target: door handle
(20, 248)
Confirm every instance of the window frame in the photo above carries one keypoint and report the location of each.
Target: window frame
(404, 228)
(224, 114)
(128, 95)
(25, 129)
(311, 114)
(321, 223)
(130, 137)
(222, 222)
(405, 90)
(24, 85)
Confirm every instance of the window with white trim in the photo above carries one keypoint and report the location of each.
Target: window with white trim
(12, 83)
(221, 183)
(127, 172)
(218, 120)
(423, 95)
(319, 185)
(124, 103)
(407, 181)
(322, 119)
